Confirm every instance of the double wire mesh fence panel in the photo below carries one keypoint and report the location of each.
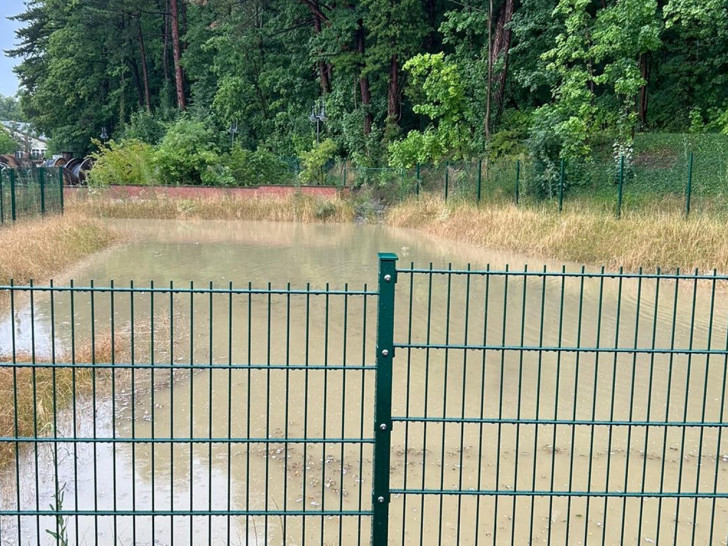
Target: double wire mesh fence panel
(559, 407)
(29, 192)
(186, 415)
(446, 407)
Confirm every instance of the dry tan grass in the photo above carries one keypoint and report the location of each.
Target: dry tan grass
(647, 240)
(30, 396)
(296, 207)
(38, 248)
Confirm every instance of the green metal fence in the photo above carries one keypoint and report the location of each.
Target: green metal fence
(445, 407)
(30, 192)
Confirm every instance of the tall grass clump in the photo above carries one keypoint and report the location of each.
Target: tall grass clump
(32, 391)
(38, 248)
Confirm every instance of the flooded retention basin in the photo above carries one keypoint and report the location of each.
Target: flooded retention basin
(528, 407)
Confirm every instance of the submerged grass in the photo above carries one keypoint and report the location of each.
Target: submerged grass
(31, 395)
(38, 248)
(34, 392)
(581, 234)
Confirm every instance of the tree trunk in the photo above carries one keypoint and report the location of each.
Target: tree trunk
(178, 74)
(145, 72)
(489, 85)
(645, 73)
(502, 46)
(431, 10)
(366, 95)
(324, 68)
(137, 80)
(393, 91)
(165, 41)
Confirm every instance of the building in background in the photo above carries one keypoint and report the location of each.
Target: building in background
(31, 146)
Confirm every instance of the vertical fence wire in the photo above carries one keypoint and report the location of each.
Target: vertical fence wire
(511, 406)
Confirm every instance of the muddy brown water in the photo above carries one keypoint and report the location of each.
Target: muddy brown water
(198, 401)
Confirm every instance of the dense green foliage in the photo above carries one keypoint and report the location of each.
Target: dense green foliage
(8, 145)
(10, 109)
(129, 163)
(404, 81)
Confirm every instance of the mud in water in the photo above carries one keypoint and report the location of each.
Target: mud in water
(204, 402)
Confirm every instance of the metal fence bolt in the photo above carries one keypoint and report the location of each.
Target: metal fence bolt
(382, 427)
(380, 500)
(388, 278)
(385, 352)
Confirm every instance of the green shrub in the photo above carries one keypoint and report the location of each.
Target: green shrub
(315, 161)
(127, 162)
(325, 210)
(187, 154)
(248, 168)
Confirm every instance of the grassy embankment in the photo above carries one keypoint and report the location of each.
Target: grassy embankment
(41, 247)
(295, 208)
(584, 235)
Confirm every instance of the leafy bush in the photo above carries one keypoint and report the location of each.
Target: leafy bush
(439, 94)
(315, 160)
(417, 147)
(248, 168)
(187, 154)
(127, 162)
(144, 126)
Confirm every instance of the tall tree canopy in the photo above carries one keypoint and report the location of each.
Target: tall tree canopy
(449, 79)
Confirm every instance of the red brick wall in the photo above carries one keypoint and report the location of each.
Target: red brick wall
(201, 192)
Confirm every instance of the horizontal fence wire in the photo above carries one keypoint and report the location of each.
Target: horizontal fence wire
(557, 406)
(560, 407)
(196, 414)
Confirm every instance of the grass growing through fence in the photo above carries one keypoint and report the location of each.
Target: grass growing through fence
(582, 234)
(32, 401)
(38, 248)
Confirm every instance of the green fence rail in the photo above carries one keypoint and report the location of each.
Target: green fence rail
(448, 406)
(30, 192)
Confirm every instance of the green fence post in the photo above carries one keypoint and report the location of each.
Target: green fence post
(518, 176)
(447, 178)
(561, 187)
(621, 185)
(480, 178)
(60, 187)
(41, 182)
(383, 399)
(689, 189)
(13, 204)
(417, 179)
(343, 175)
